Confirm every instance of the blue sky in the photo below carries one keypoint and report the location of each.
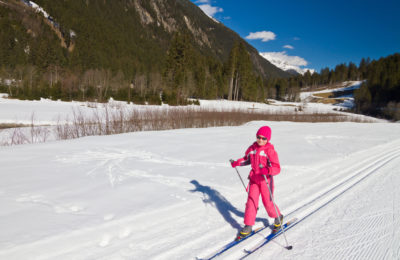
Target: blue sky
(313, 33)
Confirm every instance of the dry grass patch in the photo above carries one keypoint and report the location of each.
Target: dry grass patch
(11, 125)
(324, 95)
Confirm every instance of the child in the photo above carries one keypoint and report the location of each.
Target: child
(264, 161)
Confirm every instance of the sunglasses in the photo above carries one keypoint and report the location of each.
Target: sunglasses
(262, 138)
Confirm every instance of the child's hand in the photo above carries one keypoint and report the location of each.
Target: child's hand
(264, 171)
(234, 163)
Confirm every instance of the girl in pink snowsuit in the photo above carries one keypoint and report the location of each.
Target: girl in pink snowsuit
(263, 159)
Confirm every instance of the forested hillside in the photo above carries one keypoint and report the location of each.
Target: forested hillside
(157, 51)
(379, 95)
(128, 49)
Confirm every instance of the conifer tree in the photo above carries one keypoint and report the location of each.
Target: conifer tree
(232, 68)
(363, 99)
(178, 66)
(242, 82)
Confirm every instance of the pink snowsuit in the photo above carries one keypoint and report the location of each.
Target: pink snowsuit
(259, 156)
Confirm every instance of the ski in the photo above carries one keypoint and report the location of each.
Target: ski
(232, 244)
(271, 236)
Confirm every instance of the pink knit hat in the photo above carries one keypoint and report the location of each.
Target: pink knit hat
(265, 131)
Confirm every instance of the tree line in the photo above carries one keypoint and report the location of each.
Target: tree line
(379, 94)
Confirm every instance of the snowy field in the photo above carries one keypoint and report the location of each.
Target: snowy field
(173, 195)
(49, 112)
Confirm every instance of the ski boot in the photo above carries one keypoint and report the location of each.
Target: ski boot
(277, 224)
(244, 232)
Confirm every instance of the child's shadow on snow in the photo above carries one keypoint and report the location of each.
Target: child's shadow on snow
(225, 208)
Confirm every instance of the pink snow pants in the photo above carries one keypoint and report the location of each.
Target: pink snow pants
(252, 202)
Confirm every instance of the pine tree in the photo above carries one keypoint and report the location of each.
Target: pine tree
(178, 67)
(242, 81)
(363, 99)
(353, 72)
(232, 68)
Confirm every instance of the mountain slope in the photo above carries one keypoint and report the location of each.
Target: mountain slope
(137, 33)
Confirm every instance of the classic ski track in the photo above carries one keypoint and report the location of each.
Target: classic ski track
(366, 243)
(341, 188)
(360, 236)
(175, 239)
(392, 154)
(362, 170)
(375, 162)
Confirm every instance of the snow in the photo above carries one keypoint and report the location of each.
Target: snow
(286, 62)
(173, 195)
(39, 9)
(49, 112)
(347, 85)
(348, 102)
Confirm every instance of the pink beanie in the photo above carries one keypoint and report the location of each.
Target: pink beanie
(265, 131)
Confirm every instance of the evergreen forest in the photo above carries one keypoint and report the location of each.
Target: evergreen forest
(87, 53)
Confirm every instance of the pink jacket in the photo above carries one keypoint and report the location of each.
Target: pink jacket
(263, 160)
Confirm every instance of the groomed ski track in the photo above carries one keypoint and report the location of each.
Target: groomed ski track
(378, 227)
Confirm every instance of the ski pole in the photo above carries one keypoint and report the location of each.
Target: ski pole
(239, 176)
(280, 222)
(237, 171)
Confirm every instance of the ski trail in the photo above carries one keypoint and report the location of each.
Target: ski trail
(366, 241)
(351, 181)
(365, 168)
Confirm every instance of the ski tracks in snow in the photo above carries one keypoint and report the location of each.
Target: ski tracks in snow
(123, 237)
(59, 208)
(110, 162)
(360, 237)
(349, 235)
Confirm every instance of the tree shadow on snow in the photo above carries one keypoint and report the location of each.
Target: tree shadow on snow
(225, 208)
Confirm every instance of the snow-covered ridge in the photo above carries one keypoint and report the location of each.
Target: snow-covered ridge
(286, 62)
(37, 8)
(46, 15)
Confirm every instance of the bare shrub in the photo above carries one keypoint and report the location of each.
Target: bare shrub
(38, 134)
(18, 137)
